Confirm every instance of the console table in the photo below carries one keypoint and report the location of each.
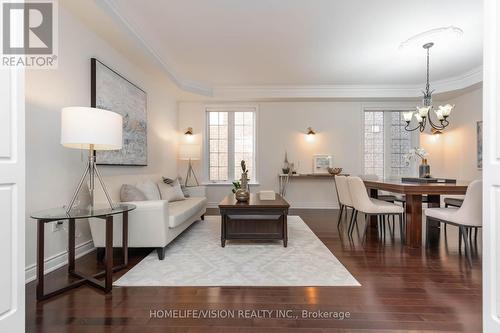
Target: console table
(58, 214)
(284, 179)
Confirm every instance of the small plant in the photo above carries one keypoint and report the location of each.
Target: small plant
(236, 186)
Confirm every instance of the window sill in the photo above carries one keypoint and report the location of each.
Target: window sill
(226, 184)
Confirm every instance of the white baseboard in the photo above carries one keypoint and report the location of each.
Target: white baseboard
(296, 205)
(58, 260)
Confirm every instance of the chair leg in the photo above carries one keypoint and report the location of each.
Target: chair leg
(475, 237)
(340, 215)
(100, 254)
(351, 223)
(466, 244)
(459, 240)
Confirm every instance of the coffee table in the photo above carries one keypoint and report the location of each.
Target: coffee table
(254, 220)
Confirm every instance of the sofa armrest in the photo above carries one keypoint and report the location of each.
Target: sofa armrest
(197, 191)
(160, 205)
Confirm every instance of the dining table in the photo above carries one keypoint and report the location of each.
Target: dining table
(413, 193)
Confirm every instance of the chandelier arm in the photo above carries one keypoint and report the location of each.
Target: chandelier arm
(435, 126)
(412, 129)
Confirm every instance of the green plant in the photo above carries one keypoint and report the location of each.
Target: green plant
(236, 186)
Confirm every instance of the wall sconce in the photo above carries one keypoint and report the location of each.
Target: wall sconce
(189, 134)
(310, 134)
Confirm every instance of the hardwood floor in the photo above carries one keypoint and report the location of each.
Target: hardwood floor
(403, 290)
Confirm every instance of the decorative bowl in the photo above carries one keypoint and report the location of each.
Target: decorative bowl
(334, 171)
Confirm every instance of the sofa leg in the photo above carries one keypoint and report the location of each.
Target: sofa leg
(202, 217)
(161, 252)
(100, 254)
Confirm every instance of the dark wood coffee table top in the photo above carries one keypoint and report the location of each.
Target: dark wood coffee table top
(254, 202)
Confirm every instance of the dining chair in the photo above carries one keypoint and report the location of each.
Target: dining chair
(453, 202)
(467, 217)
(371, 207)
(344, 197)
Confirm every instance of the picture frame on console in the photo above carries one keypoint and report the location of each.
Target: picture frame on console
(112, 91)
(321, 163)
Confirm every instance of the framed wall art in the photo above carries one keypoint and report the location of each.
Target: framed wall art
(111, 91)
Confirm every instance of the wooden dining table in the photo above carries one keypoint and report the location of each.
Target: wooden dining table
(413, 206)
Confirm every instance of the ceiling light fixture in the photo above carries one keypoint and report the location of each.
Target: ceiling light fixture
(422, 115)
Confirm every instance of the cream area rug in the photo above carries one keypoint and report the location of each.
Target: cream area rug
(196, 258)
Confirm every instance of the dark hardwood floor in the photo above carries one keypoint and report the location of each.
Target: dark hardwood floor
(403, 290)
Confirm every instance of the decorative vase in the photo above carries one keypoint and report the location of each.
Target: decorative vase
(286, 165)
(424, 169)
(243, 194)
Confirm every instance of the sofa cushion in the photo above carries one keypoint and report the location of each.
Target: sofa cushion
(150, 189)
(130, 193)
(181, 211)
(171, 192)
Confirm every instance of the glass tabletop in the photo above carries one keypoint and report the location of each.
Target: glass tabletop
(81, 213)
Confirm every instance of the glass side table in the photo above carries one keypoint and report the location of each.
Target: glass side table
(58, 214)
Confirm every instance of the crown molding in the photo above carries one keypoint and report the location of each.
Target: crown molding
(111, 9)
(251, 92)
(458, 82)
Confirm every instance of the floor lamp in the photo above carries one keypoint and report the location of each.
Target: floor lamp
(90, 129)
(189, 152)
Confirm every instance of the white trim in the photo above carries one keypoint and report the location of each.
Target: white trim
(59, 260)
(461, 81)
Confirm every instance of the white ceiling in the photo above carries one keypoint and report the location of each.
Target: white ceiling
(233, 43)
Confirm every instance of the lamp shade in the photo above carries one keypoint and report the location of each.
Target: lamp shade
(189, 152)
(82, 127)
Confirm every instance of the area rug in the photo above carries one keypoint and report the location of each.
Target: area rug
(196, 258)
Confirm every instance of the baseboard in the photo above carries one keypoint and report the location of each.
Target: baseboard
(58, 260)
(295, 205)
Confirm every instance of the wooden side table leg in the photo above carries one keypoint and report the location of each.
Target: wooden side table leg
(71, 245)
(108, 283)
(285, 230)
(40, 258)
(125, 238)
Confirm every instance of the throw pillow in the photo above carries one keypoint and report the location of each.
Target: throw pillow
(184, 189)
(131, 193)
(171, 192)
(149, 189)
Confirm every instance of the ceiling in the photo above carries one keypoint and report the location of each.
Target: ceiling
(219, 45)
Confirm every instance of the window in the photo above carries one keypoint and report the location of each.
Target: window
(385, 144)
(230, 139)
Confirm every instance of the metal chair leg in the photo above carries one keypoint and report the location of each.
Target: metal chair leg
(466, 244)
(340, 215)
(459, 240)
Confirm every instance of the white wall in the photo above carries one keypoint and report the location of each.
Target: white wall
(453, 154)
(281, 127)
(52, 170)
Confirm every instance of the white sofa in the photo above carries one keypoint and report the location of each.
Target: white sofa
(153, 223)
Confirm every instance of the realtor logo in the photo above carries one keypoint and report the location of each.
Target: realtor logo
(29, 34)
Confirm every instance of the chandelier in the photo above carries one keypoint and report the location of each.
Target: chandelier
(423, 113)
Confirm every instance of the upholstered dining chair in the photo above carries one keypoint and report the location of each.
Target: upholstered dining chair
(370, 207)
(467, 217)
(344, 197)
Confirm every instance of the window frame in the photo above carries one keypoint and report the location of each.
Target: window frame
(230, 108)
(415, 135)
